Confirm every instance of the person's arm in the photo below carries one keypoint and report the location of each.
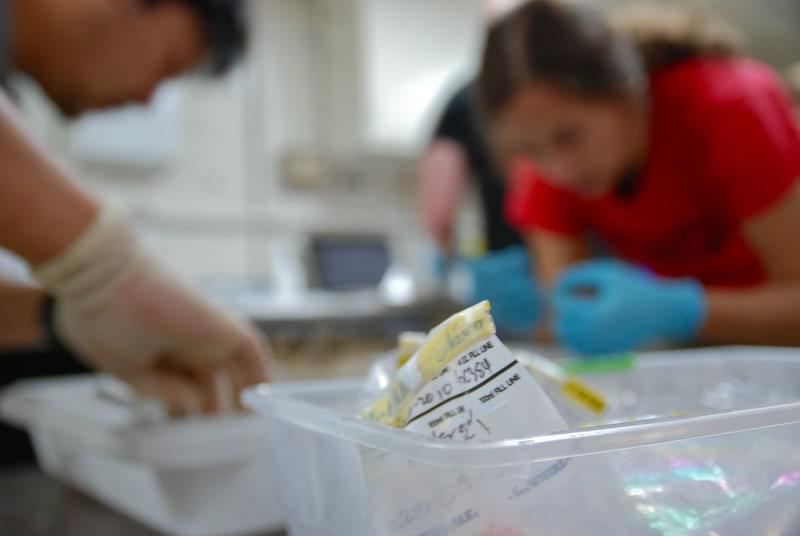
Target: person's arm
(441, 182)
(548, 218)
(769, 314)
(554, 253)
(633, 308)
(551, 227)
(754, 157)
(41, 211)
(20, 325)
(115, 307)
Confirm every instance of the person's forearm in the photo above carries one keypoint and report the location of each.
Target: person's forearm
(553, 253)
(441, 185)
(41, 210)
(20, 310)
(768, 315)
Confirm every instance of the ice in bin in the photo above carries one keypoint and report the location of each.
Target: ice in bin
(198, 477)
(721, 458)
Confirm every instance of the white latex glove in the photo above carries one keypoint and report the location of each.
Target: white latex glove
(123, 314)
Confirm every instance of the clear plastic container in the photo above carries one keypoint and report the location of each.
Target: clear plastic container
(193, 477)
(705, 442)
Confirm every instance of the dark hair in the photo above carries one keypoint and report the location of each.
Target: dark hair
(225, 28)
(578, 50)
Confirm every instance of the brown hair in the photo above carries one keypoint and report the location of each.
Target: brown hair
(668, 34)
(578, 50)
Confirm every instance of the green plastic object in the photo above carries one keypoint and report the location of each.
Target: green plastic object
(604, 365)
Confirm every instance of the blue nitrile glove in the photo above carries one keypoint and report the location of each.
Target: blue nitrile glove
(607, 306)
(505, 279)
(440, 267)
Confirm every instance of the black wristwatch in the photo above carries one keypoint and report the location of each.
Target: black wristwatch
(53, 343)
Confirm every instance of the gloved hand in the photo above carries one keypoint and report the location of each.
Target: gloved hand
(123, 314)
(505, 279)
(439, 266)
(607, 306)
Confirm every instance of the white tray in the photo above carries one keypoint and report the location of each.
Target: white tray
(193, 477)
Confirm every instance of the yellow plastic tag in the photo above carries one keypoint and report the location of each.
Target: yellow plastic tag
(409, 344)
(446, 342)
(584, 395)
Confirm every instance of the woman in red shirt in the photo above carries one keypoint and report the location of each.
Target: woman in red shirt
(680, 154)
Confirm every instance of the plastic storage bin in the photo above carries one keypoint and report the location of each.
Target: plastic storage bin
(710, 446)
(202, 476)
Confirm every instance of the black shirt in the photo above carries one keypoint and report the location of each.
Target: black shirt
(459, 123)
(5, 39)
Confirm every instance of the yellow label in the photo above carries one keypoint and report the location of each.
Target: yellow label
(446, 342)
(454, 337)
(409, 344)
(584, 396)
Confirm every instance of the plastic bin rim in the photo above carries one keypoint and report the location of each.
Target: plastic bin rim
(273, 401)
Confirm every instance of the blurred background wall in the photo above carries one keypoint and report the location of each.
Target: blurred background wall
(315, 134)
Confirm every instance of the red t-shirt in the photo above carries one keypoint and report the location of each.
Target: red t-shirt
(724, 148)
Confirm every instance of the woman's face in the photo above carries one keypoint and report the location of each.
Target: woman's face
(585, 146)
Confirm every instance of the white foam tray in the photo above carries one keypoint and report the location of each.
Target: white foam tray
(190, 477)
